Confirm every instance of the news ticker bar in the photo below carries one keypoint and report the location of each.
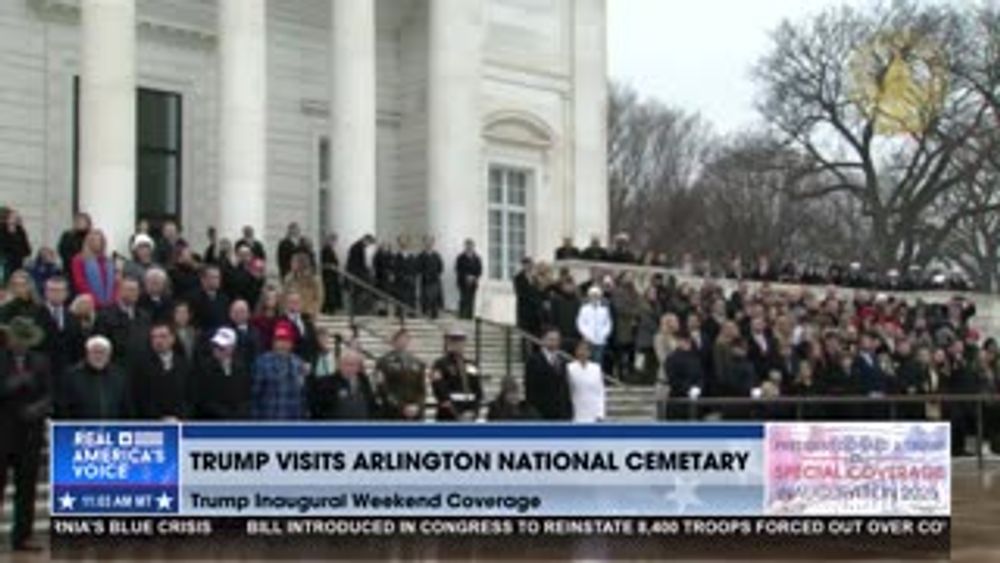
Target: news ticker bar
(613, 537)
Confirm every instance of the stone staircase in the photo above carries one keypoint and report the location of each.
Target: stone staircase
(624, 403)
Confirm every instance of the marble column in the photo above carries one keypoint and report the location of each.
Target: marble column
(107, 114)
(590, 100)
(352, 119)
(456, 202)
(243, 116)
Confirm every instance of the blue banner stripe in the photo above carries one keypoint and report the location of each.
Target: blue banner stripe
(474, 431)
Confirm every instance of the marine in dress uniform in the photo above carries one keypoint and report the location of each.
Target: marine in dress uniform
(456, 383)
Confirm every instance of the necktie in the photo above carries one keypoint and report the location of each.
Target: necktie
(57, 315)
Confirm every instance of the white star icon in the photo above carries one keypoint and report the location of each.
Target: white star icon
(683, 494)
(164, 502)
(67, 501)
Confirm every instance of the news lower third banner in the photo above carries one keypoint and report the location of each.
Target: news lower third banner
(264, 479)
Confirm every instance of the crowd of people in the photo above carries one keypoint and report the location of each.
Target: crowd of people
(764, 268)
(169, 333)
(696, 341)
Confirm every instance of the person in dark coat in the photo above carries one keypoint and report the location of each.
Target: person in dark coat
(510, 404)
(249, 344)
(221, 390)
(95, 389)
(358, 266)
(739, 379)
(22, 301)
(683, 368)
(184, 274)
(333, 300)
(306, 342)
(61, 329)
(595, 252)
(383, 267)
(123, 322)
(527, 297)
(346, 395)
(288, 247)
(430, 267)
(241, 281)
(565, 308)
(405, 269)
(156, 299)
(71, 240)
(209, 305)
(468, 270)
(25, 401)
(545, 382)
(169, 244)
(567, 251)
(14, 245)
(250, 241)
(160, 378)
(911, 376)
(455, 382)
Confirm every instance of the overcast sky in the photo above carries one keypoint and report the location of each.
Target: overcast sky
(697, 54)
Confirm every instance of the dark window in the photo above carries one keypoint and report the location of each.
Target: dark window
(158, 154)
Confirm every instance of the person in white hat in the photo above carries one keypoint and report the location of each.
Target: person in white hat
(222, 389)
(142, 257)
(594, 323)
(96, 388)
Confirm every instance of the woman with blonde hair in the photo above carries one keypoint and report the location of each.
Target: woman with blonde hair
(302, 279)
(22, 299)
(83, 309)
(93, 272)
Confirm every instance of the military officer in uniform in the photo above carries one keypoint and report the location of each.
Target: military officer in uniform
(403, 381)
(455, 381)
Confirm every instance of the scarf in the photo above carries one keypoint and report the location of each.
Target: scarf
(100, 273)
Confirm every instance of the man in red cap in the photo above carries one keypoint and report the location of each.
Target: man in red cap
(277, 389)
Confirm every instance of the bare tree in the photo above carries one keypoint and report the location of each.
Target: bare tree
(654, 157)
(870, 97)
(749, 208)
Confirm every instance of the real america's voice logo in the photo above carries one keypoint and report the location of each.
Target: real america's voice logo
(115, 469)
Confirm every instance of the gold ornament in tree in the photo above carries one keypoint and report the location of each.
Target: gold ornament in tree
(899, 81)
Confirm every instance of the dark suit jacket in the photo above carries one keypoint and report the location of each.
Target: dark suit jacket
(157, 393)
(161, 310)
(24, 402)
(547, 388)
(209, 313)
(468, 266)
(306, 342)
(328, 398)
(249, 343)
(684, 371)
(126, 335)
(868, 376)
(59, 345)
(356, 263)
(217, 396)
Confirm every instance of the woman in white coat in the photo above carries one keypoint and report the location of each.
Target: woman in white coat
(586, 385)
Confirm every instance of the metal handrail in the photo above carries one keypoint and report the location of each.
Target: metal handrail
(524, 335)
(892, 401)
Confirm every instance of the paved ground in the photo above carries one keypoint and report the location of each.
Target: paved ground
(975, 537)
